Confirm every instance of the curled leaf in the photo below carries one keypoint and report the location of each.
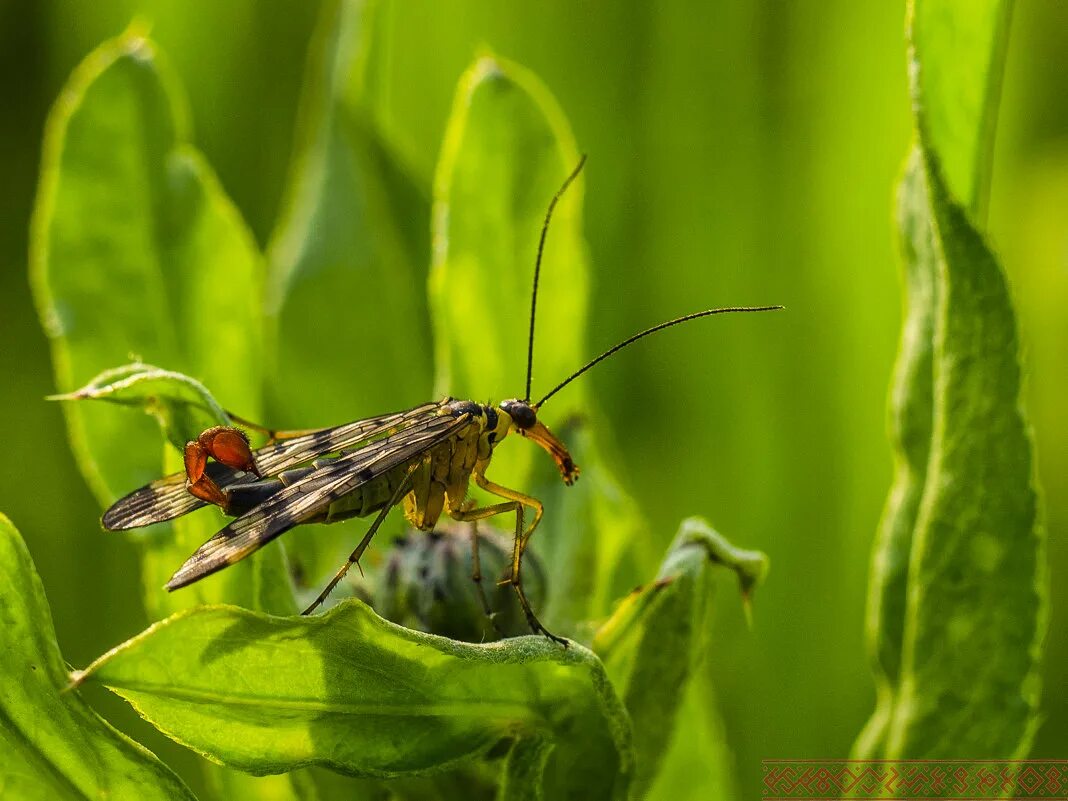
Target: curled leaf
(657, 635)
(182, 405)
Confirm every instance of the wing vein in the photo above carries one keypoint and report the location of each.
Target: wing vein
(167, 498)
(307, 497)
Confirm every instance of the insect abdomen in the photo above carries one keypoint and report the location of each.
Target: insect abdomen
(362, 501)
(365, 500)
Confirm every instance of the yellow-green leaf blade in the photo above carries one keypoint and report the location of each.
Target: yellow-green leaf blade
(137, 250)
(53, 746)
(507, 150)
(957, 55)
(214, 272)
(94, 231)
(349, 256)
(957, 608)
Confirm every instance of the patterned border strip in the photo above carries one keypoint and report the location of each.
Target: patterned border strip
(914, 780)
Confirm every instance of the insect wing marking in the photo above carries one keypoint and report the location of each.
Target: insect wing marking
(168, 498)
(305, 498)
(274, 458)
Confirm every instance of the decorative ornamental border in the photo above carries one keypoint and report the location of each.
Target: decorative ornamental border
(914, 779)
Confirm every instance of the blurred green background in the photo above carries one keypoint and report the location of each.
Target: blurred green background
(740, 153)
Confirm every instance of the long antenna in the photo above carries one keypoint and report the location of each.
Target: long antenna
(537, 267)
(647, 332)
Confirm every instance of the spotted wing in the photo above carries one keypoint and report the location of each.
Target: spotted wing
(306, 498)
(168, 498)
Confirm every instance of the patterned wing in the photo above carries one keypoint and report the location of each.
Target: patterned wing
(167, 498)
(303, 499)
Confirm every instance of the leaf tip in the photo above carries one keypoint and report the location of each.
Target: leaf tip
(487, 65)
(135, 41)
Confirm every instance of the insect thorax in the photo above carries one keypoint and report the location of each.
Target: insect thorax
(494, 423)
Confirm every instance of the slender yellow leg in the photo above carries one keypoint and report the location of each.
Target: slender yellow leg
(520, 544)
(515, 503)
(272, 435)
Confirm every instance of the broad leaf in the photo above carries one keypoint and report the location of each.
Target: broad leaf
(975, 609)
(911, 410)
(507, 150)
(137, 251)
(52, 746)
(958, 605)
(355, 693)
(348, 259)
(699, 747)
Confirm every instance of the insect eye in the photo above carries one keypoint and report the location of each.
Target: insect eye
(522, 414)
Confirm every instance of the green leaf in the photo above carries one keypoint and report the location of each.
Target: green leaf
(657, 636)
(957, 53)
(355, 693)
(699, 747)
(135, 250)
(52, 745)
(507, 150)
(911, 410)
(976, 608)
(958, 603)
(348, 258)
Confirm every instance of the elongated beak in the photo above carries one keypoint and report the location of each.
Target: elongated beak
(556, 449)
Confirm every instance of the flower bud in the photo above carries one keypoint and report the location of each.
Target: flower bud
(427, 584)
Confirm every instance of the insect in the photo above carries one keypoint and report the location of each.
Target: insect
(423, 458)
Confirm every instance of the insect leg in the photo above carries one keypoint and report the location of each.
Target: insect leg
(354, 557)
(476, 571)
(271, 434)
(520, 543)
(515, 504)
